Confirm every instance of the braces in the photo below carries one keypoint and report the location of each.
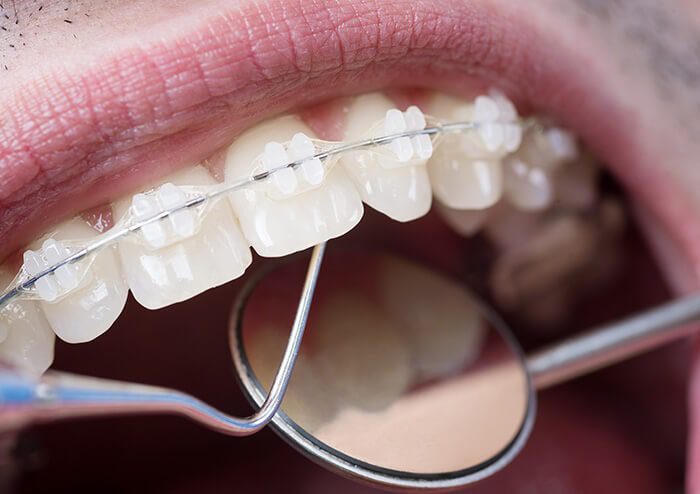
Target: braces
(24, 283)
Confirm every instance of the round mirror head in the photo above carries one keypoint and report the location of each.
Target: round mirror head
(403, 376)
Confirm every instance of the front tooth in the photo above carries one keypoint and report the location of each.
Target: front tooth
(439, 317)
(89, 305)
(527, 187)
(183, 222)
(395, 123)
(402, 192)
(46, 286)
(277, 227)
(275, 156)
(462, 173)
(301, 148)
(214, 254)
(29, 343)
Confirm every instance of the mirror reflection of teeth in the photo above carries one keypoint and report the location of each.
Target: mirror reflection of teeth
(361, 356)
(440, 346)
(284, 190)
(301, 400)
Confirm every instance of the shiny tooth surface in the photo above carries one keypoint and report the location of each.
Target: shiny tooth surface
(29, 340)
(527, 187)
(361, 355)
(463, 172)
(280, 226)
(180, 267)
(439, 318)
(302, 148)
(96, 297)
(401, 190)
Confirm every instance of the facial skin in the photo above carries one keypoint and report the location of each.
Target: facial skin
(97, 97)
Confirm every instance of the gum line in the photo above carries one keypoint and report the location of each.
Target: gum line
(23, 285)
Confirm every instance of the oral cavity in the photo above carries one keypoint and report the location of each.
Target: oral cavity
(512, 186)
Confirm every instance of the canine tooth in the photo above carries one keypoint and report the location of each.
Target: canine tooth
(395, 123)
(485, 110)
(493, 135)
(92, 302)
(437, 316)
(29, 343)
(401, 191)
(527, 187)
(423, 146)
(513, 137)
(362, 356)
(277, 227)
(215, 254)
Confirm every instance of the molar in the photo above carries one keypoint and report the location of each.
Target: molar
(277, 224)
(28, 339)
(182, 255)
(395, 183)
(90, 301)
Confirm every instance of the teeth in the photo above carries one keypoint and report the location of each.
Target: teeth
(549, 148)
(438, 317)
(401, 191)
(188, 260)
(301, 400)
(361, 355)
(280, 226)
(89, 306)
(28, 342)
(466, 222)
(528, 188)
(465, 171)
(276, 156)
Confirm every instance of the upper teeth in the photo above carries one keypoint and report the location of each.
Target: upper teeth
(305, 201)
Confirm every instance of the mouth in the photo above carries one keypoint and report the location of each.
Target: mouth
(203, 92)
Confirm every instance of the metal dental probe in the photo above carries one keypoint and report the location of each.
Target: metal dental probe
(58, 395)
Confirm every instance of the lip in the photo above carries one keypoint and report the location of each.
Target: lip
(78, 138)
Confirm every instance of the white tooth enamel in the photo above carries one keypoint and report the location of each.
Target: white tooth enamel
(466, 222)
(277, 227)
(361, 355)
(463, 174)
(144, 206)
(215, 254)
(29, 343)
(276, 156)
(401, 191)
(528, 188)
(437, 316)
(183, 222)
(95, 298)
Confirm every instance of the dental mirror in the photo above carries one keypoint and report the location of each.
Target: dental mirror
(404, 378)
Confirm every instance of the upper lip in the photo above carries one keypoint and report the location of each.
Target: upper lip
(79, 139)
